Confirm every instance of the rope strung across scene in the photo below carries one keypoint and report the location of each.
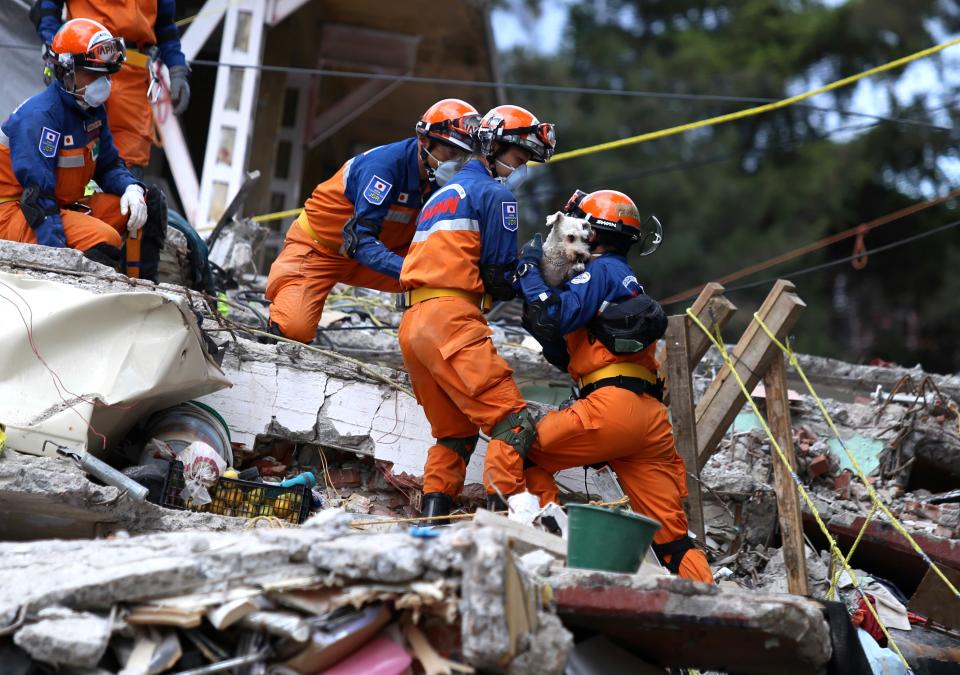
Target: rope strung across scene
(897, 525)
(835, 551)
(751, 112)
(458, 516)
(861, 229)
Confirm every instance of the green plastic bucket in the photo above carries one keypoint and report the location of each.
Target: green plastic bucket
(605, 539)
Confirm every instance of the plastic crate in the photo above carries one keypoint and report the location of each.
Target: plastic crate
(242, 498)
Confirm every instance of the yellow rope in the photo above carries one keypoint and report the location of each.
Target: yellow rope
(792, 357)
(836, 577)
(834, 549)
(277, 215)
(750, 112)
(457, 516)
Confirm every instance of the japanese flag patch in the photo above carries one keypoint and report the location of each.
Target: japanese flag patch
(403, 198)
(377, 190)
(49, 140)
(511, 219)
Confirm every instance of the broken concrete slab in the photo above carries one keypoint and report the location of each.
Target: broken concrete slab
(94, 576)
(674, 622)
(63, 637)
(47, 497)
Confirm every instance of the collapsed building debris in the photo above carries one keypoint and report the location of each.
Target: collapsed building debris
(352, 424)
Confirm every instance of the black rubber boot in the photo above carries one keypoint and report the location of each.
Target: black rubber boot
(494, 503)
(436, 504)
(273, 329)
(105, 255)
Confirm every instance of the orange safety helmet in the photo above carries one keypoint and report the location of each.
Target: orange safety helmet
(614, 212)
(450, 121)
(511, 124)
(86, 44)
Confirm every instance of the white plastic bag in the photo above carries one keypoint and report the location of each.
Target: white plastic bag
(202, 468)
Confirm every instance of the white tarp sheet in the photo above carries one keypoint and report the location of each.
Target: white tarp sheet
(93, 361)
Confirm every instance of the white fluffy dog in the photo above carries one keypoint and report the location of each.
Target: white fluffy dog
(566, 249)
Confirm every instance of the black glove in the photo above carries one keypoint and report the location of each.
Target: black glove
(532, 251)
(355, 230)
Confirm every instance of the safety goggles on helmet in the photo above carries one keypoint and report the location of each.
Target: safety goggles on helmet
(649, 232)
(460, 132)
(539, 139)
(106, 56)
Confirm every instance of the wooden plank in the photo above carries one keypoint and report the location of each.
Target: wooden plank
(523, 534)
(715, 312)
(682, 414)
(788, 502)
(753, 353)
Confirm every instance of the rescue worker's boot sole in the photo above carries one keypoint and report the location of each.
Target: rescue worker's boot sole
(436, 504)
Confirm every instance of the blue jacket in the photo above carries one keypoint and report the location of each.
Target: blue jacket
(50, 132)
(397, 168)
(469, 224)
(46, 16)
(607, 279)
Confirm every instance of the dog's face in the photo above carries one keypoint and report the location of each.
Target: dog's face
(569, 237)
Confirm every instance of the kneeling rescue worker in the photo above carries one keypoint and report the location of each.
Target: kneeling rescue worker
(463, 256)
(357, 225)
(55, 142)
(602, 329)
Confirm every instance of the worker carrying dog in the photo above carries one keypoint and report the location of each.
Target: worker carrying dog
(150, 36)
(602, 329)
(463, 257)
(55, 142)
(356, 226)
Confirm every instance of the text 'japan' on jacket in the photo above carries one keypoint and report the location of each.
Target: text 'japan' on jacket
(469, 224)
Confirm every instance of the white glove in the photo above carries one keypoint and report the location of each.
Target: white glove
(132, 202)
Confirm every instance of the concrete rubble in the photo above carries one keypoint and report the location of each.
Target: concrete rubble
(95, 579)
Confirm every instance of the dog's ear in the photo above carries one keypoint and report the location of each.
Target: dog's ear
(554, 218)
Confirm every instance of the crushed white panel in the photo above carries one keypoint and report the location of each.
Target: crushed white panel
(73, 360)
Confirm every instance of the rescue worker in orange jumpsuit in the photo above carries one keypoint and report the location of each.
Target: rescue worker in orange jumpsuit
(149, 32)
(55, 142)
(618, 416)
(463, 256)
(356, 226)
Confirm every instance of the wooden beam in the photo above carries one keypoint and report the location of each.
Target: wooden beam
(714, 310)
(524, 535)
(788, 502)
(753, 353)
(682, 414)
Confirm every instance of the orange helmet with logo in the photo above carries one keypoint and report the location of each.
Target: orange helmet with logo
(511, 124)
(613, 212)
(86, 44)
(450, 121)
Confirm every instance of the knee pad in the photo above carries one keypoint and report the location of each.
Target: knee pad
(105, 254)
(676, 549)
(517, 430)
(462, 446)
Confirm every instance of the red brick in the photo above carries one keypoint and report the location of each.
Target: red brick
(346, 477)
(818, 466)
(841, 484)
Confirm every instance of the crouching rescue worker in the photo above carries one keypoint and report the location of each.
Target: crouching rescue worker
(602, 329)
(356, 227)
(57, 141)
(150, 34)
(463, 257)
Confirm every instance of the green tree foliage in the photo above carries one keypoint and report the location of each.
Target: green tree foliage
(739, 193)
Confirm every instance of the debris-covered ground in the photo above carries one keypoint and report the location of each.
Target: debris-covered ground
(96, 581)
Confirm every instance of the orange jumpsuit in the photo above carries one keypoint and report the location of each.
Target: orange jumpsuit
(468, 226)
(612, 424)
(142, 24)
(50, 142)
(382, 187)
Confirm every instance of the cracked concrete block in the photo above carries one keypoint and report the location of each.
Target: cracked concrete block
(386, 557)
(544, 652)
(64, 637)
